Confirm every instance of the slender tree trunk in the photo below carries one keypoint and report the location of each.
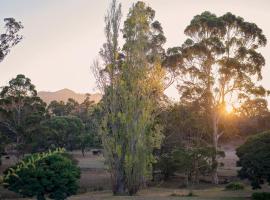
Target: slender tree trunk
(83, 151)
(215, 146)
(187, 179)
(196, 174)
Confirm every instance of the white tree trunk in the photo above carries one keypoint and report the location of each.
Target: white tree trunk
(215, 146)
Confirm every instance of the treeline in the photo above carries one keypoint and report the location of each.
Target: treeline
(28, 125)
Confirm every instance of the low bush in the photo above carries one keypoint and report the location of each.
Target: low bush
(42, 175)
(261, 196)
(235, 186)
(254, 159)
(176, 195)
(190, 194)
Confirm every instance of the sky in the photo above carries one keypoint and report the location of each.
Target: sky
(63, 37)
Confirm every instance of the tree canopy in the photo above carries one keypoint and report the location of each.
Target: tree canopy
(20, 110)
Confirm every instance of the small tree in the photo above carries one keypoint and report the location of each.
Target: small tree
(21, 110)
(49, 174)
(62, 131)
(254, 158)
(87, 111)
(186, 147)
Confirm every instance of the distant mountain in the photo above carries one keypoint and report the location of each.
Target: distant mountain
(65, 94)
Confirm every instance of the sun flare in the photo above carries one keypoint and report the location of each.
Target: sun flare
(229, 108)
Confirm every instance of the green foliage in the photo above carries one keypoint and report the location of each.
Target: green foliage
(61, 108)
(235, 186)
(183, 122)
(254, 159)
(88, 112)
(261, 196)
(193, 162)
(62, 131)
(252, 117)
(186, 147)
(3, 142)
(49, 174)
(30, 127)
(132, 84)
(57, 108)
(166, 163)
(253, 108)
(142, 87)
(21, 111)
(178, 160)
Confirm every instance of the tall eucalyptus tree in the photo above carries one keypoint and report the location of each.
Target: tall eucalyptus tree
(219, 64)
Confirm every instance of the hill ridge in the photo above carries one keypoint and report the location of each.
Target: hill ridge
(65, 93)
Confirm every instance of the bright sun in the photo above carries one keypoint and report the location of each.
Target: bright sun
(229, 108)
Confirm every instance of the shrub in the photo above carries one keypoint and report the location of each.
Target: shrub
(49, 174)
(190, 194)
(254, 159)
(176, 195)
(186, 160)
(261, 196)
(235, 186)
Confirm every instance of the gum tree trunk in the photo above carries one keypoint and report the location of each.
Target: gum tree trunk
(216, 135)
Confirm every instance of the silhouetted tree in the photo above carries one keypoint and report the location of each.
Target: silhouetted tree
(11, 37)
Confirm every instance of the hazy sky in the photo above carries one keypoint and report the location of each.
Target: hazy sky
(62, 37)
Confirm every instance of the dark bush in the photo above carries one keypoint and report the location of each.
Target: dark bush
(261, 196)
(49, 174)
(235, 186)
(254, 159)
